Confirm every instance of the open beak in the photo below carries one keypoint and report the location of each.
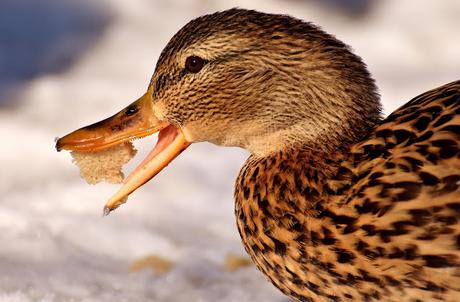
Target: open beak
(135, 121)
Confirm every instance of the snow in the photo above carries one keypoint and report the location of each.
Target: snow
(54, 243)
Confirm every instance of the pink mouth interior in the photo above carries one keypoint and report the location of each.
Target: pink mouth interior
(165, 137)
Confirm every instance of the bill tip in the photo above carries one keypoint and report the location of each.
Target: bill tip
(106, 211)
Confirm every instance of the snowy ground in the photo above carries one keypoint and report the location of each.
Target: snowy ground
(54, 245)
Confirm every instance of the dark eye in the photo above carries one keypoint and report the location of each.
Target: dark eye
(194, 64)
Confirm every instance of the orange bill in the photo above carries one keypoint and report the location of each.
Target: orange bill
(135, 121)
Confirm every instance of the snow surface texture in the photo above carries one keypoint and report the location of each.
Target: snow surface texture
(54, 244)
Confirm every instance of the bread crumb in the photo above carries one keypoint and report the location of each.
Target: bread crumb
(159, 265)
(234, 262)
(104, 165)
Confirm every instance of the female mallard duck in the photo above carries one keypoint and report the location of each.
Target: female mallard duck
(333, 204)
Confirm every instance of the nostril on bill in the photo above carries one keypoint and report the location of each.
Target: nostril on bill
(131, 110)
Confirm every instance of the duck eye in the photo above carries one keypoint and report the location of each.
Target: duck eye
(194, 64)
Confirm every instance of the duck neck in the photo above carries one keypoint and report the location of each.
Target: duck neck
(295, 177)
(278, 199)
(314, 138)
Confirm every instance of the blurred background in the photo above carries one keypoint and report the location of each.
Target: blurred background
(69, 63)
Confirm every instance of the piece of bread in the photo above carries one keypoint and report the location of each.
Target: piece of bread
(104, 165)
(158, 264)
(234, 262)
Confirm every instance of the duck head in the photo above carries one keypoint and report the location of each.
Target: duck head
(242, 78)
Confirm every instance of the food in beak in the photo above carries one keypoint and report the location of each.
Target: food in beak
(171, 142)
(135, 121)
(104, 165)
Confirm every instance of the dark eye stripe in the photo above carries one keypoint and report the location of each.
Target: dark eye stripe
(165, 80)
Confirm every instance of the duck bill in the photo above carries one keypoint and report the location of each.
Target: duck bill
(135, 121)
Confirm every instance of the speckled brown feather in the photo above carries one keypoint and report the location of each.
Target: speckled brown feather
(381, 223)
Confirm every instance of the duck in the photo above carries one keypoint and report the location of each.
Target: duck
(335, 202)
